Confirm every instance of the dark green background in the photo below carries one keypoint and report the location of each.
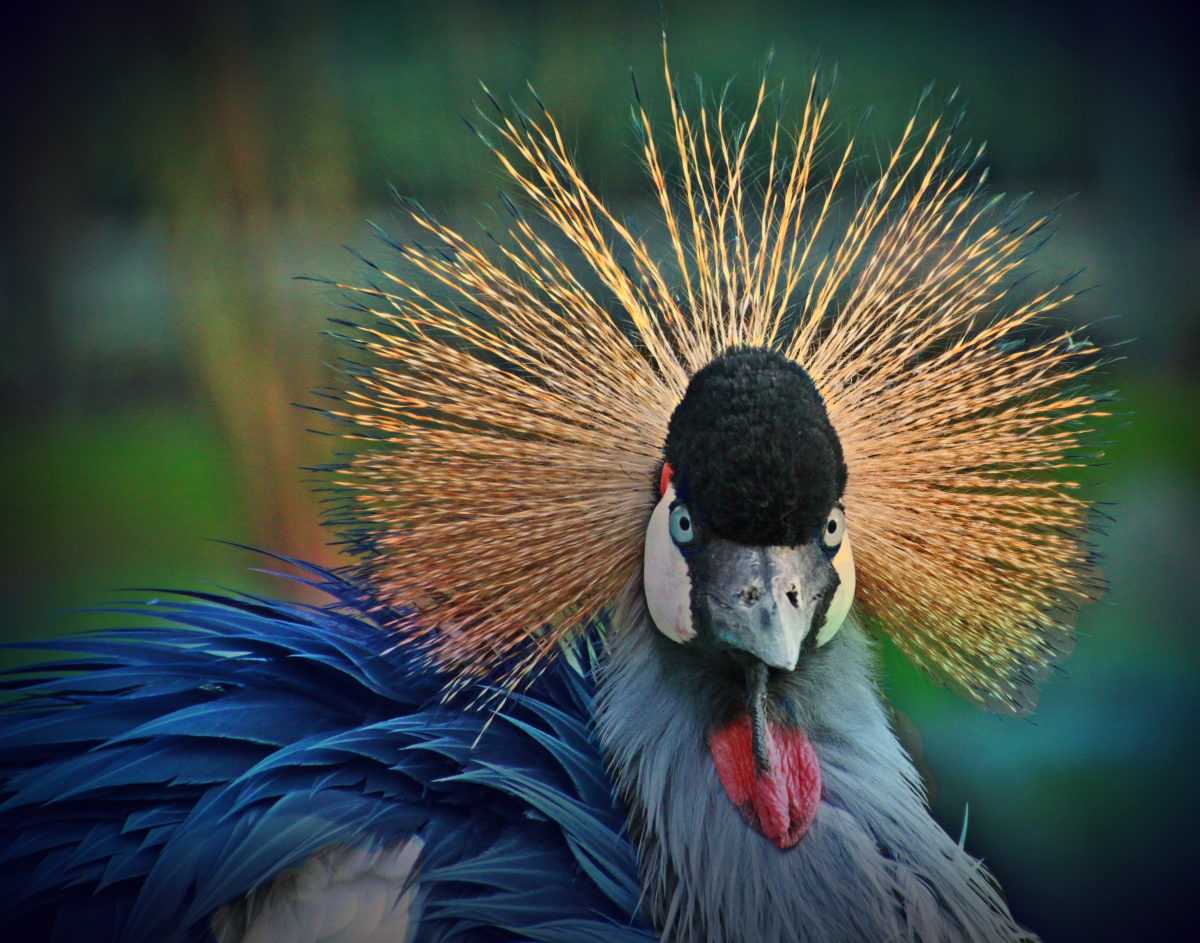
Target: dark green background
(165, 172)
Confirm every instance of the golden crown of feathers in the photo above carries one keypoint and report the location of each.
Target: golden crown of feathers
(520, 415)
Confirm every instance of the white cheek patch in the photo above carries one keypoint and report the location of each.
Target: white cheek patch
(843, 599)
(667, 583)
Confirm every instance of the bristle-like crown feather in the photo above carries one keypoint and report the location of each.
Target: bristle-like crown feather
(519, 415)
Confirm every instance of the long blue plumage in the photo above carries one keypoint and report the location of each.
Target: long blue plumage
(160, 773)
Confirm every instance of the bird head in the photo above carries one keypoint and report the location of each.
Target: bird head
(746, 549)
(715, 418)
(748, 565)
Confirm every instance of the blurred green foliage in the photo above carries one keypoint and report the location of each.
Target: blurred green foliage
(123, 499)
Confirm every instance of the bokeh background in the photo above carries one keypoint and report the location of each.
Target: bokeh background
(168, 169)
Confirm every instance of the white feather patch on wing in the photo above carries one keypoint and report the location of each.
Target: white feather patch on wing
(340, 895)
(667, 583)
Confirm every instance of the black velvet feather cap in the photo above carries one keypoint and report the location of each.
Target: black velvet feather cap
(751, 447)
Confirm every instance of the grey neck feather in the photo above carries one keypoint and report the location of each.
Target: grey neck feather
(873, 867)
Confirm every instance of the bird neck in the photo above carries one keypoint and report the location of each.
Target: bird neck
(706, 876)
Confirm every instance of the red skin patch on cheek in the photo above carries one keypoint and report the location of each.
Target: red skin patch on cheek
(782, 803)
(664, 479)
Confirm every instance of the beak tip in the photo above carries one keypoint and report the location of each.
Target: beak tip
(763, 600)
(773, 649)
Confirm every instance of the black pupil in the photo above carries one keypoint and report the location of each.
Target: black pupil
(831, 526)
(685, 524)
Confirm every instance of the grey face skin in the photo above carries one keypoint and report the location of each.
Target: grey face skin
(763, 601)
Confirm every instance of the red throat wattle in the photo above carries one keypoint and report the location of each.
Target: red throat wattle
(780, 803)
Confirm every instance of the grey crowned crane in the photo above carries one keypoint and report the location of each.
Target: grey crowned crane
(602, 671)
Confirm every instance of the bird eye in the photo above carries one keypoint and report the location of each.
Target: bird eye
(835, 529)
(683, 528)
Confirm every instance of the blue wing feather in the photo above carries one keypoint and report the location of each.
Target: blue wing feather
(156, 774)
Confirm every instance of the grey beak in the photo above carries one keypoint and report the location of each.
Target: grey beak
(762, 600)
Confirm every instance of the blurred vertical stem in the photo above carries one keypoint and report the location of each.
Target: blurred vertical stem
(252, 172)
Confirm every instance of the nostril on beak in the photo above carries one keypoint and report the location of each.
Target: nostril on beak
(794, 597)
(750, 595)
